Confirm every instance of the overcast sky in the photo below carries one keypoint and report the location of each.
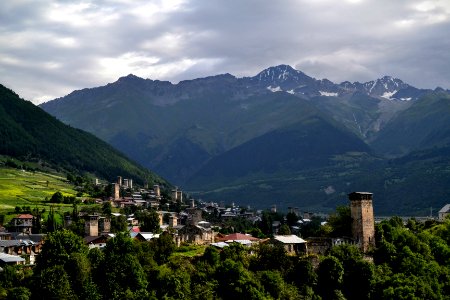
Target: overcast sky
(50, 48)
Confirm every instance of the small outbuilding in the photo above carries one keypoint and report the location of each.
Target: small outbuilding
(444, 212)
(292, 243)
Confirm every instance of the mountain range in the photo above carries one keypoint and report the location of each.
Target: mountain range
(280, 137)
(30, 134)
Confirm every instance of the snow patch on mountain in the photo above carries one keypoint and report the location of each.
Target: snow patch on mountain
(388, 95)
(274, 89)
(328, 94)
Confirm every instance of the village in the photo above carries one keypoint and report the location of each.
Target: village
(193, 223)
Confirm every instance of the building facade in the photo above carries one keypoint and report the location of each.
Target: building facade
(363, 223)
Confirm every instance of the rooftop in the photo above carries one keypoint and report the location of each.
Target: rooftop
(10, 258)
(24, 216)
(445, 209)
(289, 239)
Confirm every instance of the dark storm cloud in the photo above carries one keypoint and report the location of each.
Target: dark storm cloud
(49, 48)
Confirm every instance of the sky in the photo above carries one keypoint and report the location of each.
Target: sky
(50, 48)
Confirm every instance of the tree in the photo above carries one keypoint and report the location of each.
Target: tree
(57, 248)
(148, 221)
(211, 256)
(303, 274)
(164, 247)
(236, 282)
(54, 283)
(57, 198)
(291, 219)
(51, 224)
(19, 293)
(173, 284)
(36, 222)
(270, 257)
(122, 274)
(284, 230)
(118, 224)
(341, 222)
(330, 275)
(358, 274)
(107, 208)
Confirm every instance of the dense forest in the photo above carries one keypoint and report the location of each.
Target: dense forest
(410, 261)
(27, 133)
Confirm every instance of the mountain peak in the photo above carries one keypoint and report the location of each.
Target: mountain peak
(282, 78)
(129, 77)
(277, 73)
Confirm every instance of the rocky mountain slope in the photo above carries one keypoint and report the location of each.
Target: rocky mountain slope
(221, 135)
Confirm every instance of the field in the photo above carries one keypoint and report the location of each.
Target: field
(24, 188)
(189, 251)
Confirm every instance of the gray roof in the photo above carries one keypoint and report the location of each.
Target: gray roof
(445, 209)
(36, 237)
(15, 243)
(289, 239)
(10, 258)
(220, 244)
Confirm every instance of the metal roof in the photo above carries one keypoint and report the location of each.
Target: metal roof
(289, 239)
(445, 209)
(220, 244)
(15, 243)
(10, 258)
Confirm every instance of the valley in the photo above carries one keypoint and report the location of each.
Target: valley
(224, 138)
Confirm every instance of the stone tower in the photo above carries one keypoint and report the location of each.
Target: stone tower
(116, 191)
(173, 221)
(91, 225)
(157, 190)
(104, 225)
(363, 224)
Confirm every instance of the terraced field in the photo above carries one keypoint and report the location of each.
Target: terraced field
(24, 188)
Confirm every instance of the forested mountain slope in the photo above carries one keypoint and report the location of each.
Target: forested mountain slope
(29, 133)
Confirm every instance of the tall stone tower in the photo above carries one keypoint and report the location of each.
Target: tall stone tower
(363, 224)
(157, 190)
(91, 225)
(116, 191)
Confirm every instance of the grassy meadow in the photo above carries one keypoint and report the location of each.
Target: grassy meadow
(25, 188)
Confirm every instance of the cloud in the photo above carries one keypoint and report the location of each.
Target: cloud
(49, 48)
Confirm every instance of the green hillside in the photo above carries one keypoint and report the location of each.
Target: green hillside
(30, 189)
(30, 134)
(272, 139)
(306, 145)
(424, 125)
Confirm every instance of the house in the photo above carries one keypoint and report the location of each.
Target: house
(22, 223)
(145, 236)
(444, 212)
(5, 235)
(7, 259)
(321, 245)
(244, 239)
(96, 241)
(292, 243)
(24, 248)
(195, 235)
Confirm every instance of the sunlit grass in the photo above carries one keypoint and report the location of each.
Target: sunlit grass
(189, 250)
(24, 188)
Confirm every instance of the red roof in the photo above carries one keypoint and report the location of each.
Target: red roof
(24, 216)
(135, 229)
(237, 237)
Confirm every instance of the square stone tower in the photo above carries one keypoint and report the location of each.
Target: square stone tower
(363, 224)
(91, 225)
(116, 191)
